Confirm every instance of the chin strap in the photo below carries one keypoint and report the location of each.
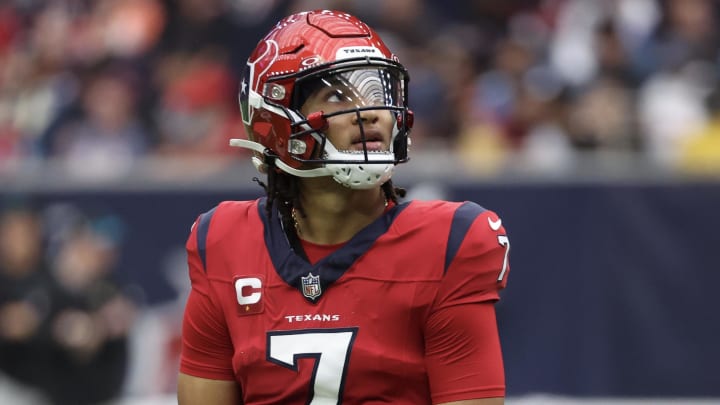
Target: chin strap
(360, 175)
(261, 166)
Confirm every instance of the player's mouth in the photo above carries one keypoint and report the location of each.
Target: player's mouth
(374, 142)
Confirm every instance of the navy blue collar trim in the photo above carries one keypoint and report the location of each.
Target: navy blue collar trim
(291, 263)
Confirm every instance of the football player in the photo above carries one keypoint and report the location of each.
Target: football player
(330, 290)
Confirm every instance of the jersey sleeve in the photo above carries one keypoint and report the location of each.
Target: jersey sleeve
(477, 262)
(463, 353)
(206, 345)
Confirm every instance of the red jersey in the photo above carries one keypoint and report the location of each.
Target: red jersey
(402, 313)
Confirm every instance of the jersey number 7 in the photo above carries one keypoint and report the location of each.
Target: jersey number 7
(505, 242)
(329, 347)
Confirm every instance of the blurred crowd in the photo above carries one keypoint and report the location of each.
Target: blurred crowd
(97, 86)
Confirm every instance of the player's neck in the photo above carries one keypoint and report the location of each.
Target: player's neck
(334, 214)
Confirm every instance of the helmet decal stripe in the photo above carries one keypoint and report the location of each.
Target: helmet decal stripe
(248, 84)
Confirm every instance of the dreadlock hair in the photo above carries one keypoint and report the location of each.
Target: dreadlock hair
(284, 190)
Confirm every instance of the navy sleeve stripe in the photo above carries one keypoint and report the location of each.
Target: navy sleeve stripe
(203, 228)
(462, 220)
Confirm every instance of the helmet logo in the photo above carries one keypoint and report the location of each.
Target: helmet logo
(250, 78)
(244, 94)
(313, 60)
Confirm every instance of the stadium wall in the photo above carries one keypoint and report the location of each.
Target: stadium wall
(612, 289)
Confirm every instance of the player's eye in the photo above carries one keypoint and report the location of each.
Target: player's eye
(335, 96)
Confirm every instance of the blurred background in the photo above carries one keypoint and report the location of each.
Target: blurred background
(592, 127)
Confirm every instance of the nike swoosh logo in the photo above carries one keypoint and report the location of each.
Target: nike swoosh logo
(495, 225)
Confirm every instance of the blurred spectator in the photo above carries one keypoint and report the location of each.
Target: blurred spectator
(602, 116)
(129, 28)
(684, 51)
(686, 32)
(34, 87)
(64, 325)
(90, 318)
(195, 117)
(195, 25)
(156, 339)
(106, 137)
(700, 152)
(670, 106)
(197, 114)
(24, 297)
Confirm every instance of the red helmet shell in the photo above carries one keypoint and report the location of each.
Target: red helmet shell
(298, 44)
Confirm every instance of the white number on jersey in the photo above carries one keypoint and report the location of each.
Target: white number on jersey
(504, 241)
(329, 347)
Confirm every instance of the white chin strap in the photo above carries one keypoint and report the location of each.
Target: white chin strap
(359, 175)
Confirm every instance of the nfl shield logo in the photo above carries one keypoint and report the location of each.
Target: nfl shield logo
(311, 286)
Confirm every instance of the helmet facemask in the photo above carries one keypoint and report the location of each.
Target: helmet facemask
(290, 137)
(361, 92)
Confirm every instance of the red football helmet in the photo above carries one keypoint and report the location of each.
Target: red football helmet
(303, 53)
